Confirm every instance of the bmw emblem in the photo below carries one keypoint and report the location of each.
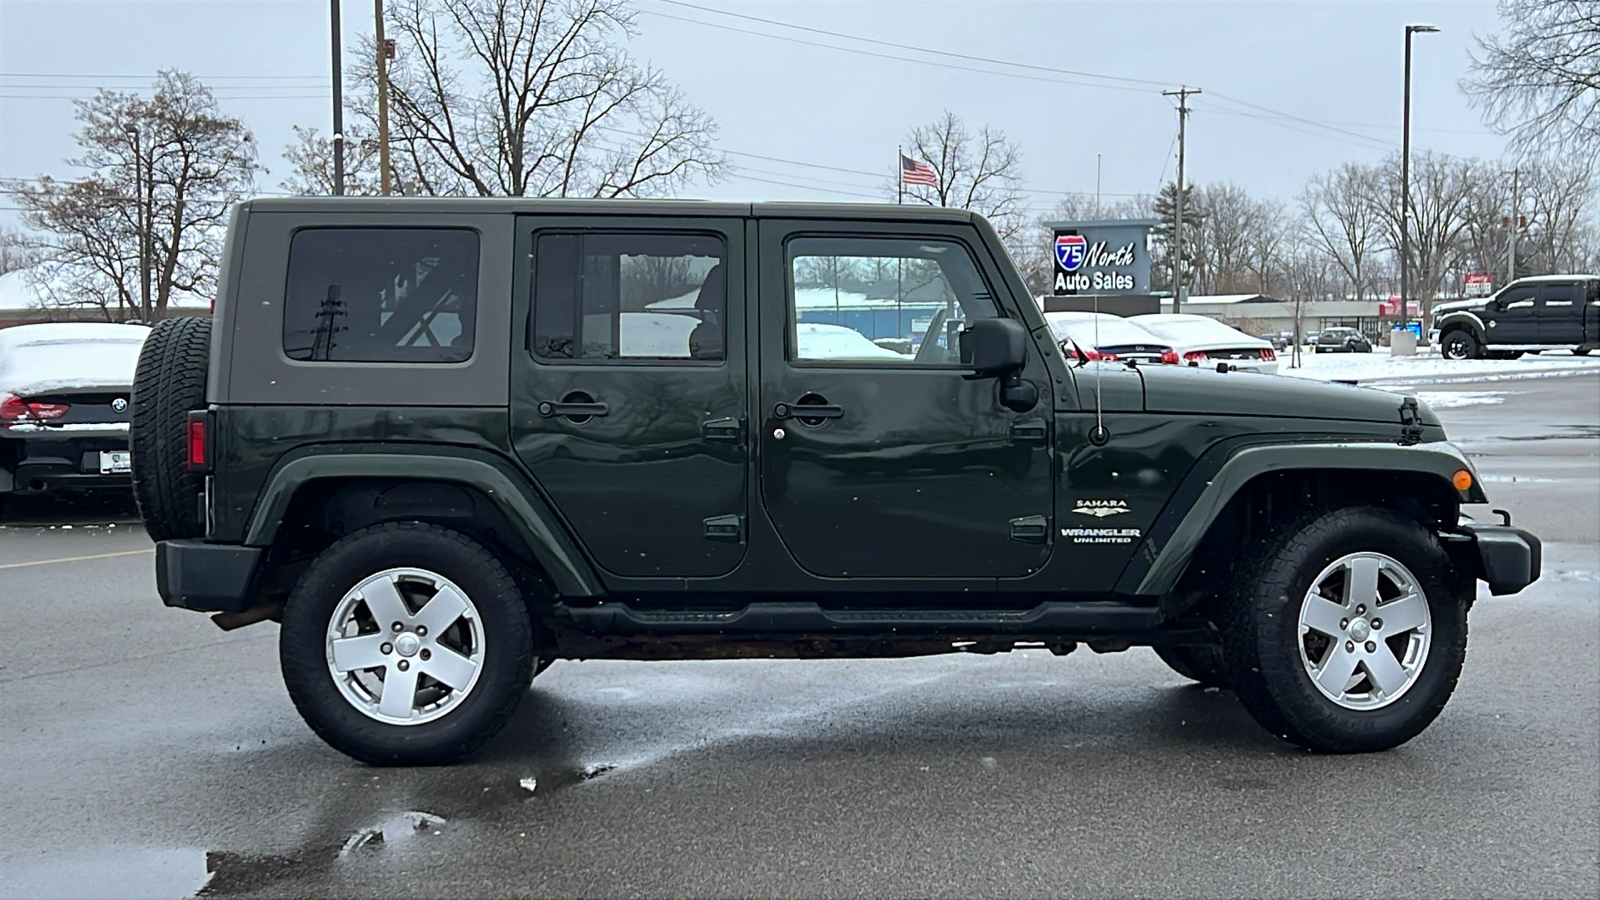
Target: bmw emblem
(120, 405)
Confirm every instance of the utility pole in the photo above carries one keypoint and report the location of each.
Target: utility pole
(1405, 191)
(338, 107)
(385, 53)
(1511, 232)
(1182, 93)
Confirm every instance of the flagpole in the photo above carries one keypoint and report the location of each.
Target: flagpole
(899, 175)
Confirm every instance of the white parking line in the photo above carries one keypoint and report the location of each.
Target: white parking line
(67, 559)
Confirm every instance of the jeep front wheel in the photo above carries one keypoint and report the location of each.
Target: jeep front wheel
(406, 644)
(1460, 344)
(1347, 636)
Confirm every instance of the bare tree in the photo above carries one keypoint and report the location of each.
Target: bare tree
(530, 98)
(1441, 203)
(1559, 199)
(1540, 80)
(172, 162)
(980, 172)
(1344, 223)
(1266, 235)
(15, 254)
(311, 162)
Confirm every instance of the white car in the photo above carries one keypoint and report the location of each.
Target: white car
(1105, 336)
(64, 394)
(1203, 341)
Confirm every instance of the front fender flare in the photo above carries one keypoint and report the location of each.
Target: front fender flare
(1462, 319)
(1165, 551)
(537, 525)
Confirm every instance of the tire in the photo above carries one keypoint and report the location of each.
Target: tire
(1459, 343)
(1271, 662)
(1197, 663)
(358, 582)
(169, 382)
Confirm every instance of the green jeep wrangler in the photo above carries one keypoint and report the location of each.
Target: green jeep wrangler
(447, 441)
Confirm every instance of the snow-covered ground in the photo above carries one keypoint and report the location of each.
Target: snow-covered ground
(1379, 369)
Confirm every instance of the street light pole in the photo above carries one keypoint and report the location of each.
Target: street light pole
(1405, 184)
(338, 106)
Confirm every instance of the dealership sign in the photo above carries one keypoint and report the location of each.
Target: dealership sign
(1102, 257)
(1478, 284)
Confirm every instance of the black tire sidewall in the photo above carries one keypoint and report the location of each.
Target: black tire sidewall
(169, 381)
(1263, 633)
(508, 645)
(1201, 663)
(1468, 343)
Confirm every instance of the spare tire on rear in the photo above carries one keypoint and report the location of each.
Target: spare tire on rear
(169, 382)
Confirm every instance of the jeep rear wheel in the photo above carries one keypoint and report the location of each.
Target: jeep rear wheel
(1347, 636)
(1459, 344)
(169, 381)
(1202, 663)
(406, 644)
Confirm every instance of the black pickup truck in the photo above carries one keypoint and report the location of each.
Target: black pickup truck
(1545, 312)
(446, 441)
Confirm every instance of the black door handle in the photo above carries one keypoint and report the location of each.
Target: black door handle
(574, 410)
(807, 411)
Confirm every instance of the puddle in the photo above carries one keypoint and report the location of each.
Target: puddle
(124, 872)
(392, 830)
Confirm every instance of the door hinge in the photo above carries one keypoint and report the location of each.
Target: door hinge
(728, 528)
(1030, 529)
(1029, 430)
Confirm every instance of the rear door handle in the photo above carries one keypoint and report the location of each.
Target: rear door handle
(548, 409)
(807, 411)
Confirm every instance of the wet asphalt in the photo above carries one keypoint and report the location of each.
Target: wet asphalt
(148, 754)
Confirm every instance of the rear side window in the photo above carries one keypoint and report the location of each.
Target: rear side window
(617, 297)
(381, 295)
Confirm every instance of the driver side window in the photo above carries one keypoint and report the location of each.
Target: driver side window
(882, 300)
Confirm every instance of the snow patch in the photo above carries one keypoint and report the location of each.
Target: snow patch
(1453, 399)
(1430, 368)
(52, 357)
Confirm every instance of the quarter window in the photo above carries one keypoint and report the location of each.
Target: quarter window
(381, 295)
(599, 297)
(882, 300)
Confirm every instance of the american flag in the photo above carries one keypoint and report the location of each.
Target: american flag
(913, 172)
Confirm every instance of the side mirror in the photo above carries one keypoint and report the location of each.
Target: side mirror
(994, 347)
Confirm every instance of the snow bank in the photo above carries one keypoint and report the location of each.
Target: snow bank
(1378, 367)
(62, 356)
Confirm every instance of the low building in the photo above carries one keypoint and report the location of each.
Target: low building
(1262, 314)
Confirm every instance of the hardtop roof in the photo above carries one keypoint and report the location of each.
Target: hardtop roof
(593, 207)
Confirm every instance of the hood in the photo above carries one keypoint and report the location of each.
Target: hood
(1440, 309)
(1186, 389)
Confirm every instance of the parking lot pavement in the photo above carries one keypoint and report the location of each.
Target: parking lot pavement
(149, 754)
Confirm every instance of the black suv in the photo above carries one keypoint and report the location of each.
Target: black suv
(1545, 312)
(447, 441)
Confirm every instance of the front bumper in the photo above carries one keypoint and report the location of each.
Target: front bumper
(207, 577)
(1508, 558)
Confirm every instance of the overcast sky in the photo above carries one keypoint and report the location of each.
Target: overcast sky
(1265, 68)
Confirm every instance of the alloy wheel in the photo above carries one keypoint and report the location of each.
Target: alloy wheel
(405, 646)
(1365, 630)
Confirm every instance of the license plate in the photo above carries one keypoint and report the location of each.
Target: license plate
(115, 462)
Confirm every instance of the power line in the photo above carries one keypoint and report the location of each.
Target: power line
(861, 52)
(915, 48)
(152, 76)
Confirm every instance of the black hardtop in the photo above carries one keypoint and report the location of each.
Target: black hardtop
(598, 207)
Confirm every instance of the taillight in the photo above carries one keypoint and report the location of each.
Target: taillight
(16, 409)
(196, 426)
(1169, 356)
(1196, 357)
(1268, 355)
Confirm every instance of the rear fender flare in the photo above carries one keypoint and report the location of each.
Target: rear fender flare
(535, 522)
(1167, 548)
